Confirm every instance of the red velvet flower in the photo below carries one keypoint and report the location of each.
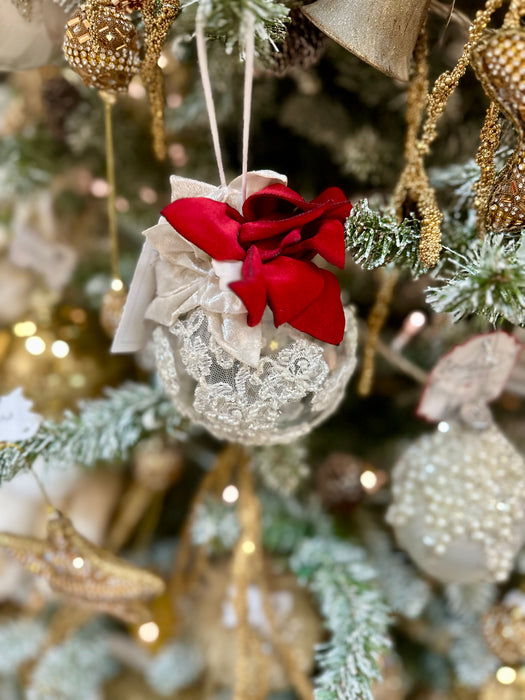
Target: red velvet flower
(276, 237)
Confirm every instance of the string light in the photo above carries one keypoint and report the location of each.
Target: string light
(23, 329)
(117, 285)
(60, 348)
(230, 494)
(78, 562)
(368, 480)
(149, 632)
(506, 675)
(35, 345)
(248, 547)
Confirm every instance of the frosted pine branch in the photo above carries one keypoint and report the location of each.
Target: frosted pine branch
(490, 281)
(74, 669)
(104, 430)
(281, 468)
(375, 239)
(343, 582)
(286, 522)
(226, 19)
(20, 641)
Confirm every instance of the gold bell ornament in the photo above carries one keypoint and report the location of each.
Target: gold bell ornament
(382, 32)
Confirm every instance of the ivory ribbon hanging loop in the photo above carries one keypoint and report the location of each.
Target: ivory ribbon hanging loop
(249, 51)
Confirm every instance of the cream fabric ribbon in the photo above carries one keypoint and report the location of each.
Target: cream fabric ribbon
(173, 276)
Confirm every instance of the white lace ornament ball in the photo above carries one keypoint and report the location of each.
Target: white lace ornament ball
(459, 503)
(298, 382)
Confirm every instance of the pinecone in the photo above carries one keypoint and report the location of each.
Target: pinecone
(59, 98)
(338, 481)
(302, 47)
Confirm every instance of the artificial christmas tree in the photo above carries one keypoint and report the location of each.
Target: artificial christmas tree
(226, 511)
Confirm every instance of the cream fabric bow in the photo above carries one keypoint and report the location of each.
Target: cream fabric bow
(173, 276)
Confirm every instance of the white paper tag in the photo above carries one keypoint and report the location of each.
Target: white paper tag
(473, 373)
(17, 421)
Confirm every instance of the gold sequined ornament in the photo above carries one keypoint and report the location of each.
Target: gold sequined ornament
(504, 632)
(111, 310)
(83, 572)
(459, 503)
(499, 61)
(101, 44)
(213, 624)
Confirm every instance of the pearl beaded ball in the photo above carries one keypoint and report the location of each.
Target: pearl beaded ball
(459, 503)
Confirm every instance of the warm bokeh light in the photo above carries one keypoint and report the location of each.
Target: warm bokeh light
(35, 345)
(149, 632)
(23, 329)
(506, 675)
(60, 348)
(368, 480)
(78, 562)
(248, 547)
(117, 285)
(230, 494)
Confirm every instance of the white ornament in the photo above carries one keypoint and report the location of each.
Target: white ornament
(298, 382)
(257, 385)
(459, 503)
(31, 33)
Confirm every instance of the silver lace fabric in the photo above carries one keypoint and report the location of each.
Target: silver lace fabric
(298, 383)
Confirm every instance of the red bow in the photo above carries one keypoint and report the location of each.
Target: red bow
(276, 236)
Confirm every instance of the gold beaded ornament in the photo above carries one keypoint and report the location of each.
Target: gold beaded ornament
(102, 46)
(499, 61)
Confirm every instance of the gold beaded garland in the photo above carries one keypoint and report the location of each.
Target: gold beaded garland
(101, 45)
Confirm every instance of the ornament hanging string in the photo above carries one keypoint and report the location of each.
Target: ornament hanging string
(249, 54)
(200, 23)
(109, 101)
(249, 51)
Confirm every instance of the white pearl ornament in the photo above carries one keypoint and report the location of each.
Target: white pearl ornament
(459, 504)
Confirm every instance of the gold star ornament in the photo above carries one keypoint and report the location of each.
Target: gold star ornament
(84, 573)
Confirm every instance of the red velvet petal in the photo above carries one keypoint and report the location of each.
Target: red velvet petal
(210, 225)
(328, 241)
(251, 289)
(265, 228)
(274, 200)
(291, 286)
(340, 207)
(270, 248)
(324, 318)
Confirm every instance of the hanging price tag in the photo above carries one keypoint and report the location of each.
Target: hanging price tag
(17, 421)
(471, 375)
